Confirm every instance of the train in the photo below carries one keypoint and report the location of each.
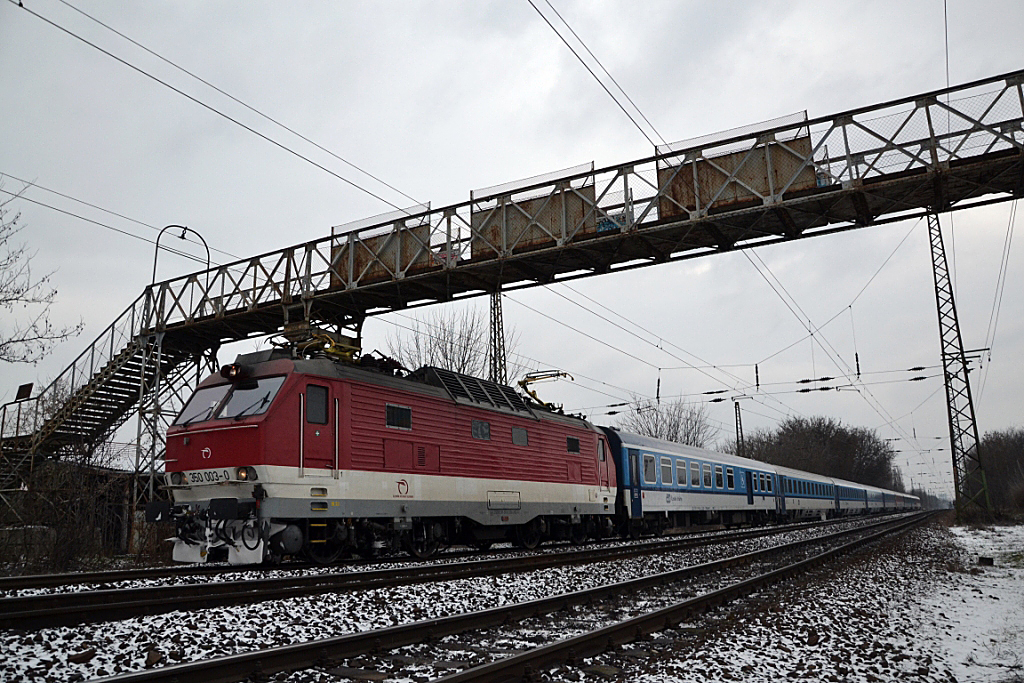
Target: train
(291, 453)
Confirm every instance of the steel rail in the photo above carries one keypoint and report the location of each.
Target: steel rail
(259, 664)
(36, 581)
(80, 607)
(524, 665)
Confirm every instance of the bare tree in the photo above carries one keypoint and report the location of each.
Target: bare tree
(453, 340)
(684, 423)
(30, 337)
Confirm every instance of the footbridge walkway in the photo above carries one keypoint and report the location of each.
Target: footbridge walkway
(788, 179)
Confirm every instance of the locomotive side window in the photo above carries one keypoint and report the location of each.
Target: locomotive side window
(707, 476)
(481, 430)
(399, 417)
(600, 450)
(520, 437)
(650, 470)
(572, 444)
(316, 404)
(694, 474)
(681, 472)
(718, 476)
(730, 482)
(666, 471)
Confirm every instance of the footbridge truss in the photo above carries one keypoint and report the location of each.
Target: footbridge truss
(948, 149)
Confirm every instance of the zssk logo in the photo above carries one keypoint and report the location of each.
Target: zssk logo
(403, 487)
(207, 453)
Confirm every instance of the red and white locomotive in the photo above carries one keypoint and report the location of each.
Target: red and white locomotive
(281, 455)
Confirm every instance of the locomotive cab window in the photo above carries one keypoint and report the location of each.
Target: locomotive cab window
(572, 444)
(520, 437)
(707, 476)
(481, 430)
(399, 417)
(666, 471)
(718, 476)
(694, 474)
(316, 404)
(730, 482)
(600, 450)
(650, 470)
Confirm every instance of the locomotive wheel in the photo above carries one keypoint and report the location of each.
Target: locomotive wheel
(528, 535)
(421, 548)
(324, 553)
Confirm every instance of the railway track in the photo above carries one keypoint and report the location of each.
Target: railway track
(598, 619)
(10, 584)
(90, 606)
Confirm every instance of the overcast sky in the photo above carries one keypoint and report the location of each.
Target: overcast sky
(440, 98)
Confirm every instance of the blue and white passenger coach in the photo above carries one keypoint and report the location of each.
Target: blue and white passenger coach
(663, 485)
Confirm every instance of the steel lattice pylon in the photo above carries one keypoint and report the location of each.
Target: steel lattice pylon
(968, 474)
(496, 351)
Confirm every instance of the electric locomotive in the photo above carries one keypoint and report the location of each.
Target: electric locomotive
(283, 455)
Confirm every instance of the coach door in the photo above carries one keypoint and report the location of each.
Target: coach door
(750, 487)
(603, 465)
(636, 504)
(318, 440)
(780, 495)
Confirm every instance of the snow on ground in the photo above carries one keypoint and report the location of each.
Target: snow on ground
(917, 608)
(977, 622)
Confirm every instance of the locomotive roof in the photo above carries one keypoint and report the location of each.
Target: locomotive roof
(462, 389)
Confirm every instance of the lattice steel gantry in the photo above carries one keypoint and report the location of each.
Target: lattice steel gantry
(968, 473)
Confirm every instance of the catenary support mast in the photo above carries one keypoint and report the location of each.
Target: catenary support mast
(968, 474)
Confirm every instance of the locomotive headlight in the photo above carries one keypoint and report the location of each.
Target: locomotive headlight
(177, 478)
(246, 474)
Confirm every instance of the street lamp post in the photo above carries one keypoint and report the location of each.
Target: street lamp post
(184, 229)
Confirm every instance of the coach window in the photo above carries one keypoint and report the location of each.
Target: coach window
(572, 444)
(650, 470)
(768, 480)
(520, 437)
(316, 404)
(481, 430)
(754, 479)
(666, 471)
(681, 472)
(718, 477)
(694, 474)
(707, 476)
(399, 417)
(729, 480)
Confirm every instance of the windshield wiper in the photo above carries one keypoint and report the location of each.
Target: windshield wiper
(259, 403)
(206, 415)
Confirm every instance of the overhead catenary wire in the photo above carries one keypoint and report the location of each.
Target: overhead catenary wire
(997, 299)
(208, 107)
(238, 101)
(606, 72)
(107, 211)
(587, 67)
(171, 250)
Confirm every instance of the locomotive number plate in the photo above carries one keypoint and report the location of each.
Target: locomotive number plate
(208, 476)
